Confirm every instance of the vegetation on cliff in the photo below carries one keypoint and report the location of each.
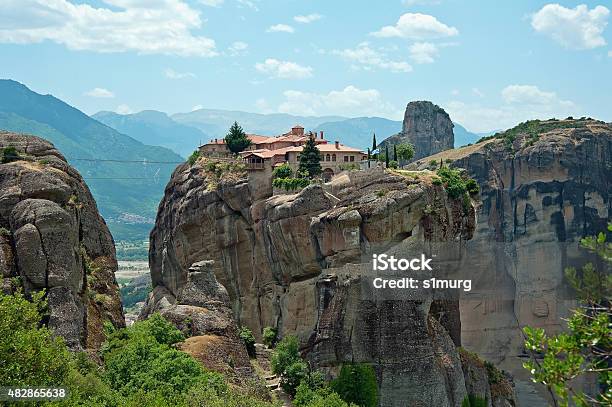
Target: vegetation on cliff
(236, 139)
(586, 348)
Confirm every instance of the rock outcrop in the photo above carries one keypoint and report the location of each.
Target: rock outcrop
(427, 127)
(300, 263)
(53, 238)
(544, 185)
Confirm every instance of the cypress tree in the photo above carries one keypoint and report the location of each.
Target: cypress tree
(369, 154)
(394, 152)
(374, 142)
(387, 156)
(310, 158)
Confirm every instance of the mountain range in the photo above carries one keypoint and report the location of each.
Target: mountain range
(127, 189)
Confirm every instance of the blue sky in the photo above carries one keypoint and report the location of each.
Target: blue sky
(490, 64)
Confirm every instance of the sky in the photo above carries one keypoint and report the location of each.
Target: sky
(490, 64)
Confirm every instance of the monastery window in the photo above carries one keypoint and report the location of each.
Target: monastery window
(346, 158)
(327, 157)
(333, 157)
(352, 158)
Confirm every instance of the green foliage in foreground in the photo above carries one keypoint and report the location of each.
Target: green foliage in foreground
(141, 366)
(248, 339)
(586, 347)
(322, 397)
(473, 401)
(357, 384)
(29, 354)
(283, 171)
(269, 336)
(456, 182)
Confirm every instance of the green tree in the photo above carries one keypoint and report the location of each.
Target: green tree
(586, 347)
(237, 140)
(29, 354)
(405, 151)
(9, 154)
(357, 384)
(286, 353)
(269, 336)
(283, 171)
(395, 152)
(374, 144)
(310, 158)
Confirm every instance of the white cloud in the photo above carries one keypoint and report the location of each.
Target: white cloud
(124, 109)
(455, 92)
(350, 101)
(146, 27)
(610, 54)
(238, 48)
(577, 28)
(368, 57)
(212, 3)
(197, 107)
(307, 18)
(280, 28)
(417, 26)
(423, 52)
(172, 74)
(478, 92)
(521, 102)
(100, 93)
(248, 3)
(283, 69)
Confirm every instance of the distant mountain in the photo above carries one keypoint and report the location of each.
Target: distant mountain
(358, 132)
(123, 190)
(155, 128)
(216, 123)
(464, 137)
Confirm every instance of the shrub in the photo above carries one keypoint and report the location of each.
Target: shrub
(436, 181)
(5, 232)
(30, 354)
(357, 384)
(249, 340)
(456, 183)
(269, 336)
(193, 157)
(323, 397)
(286, 353)
(472, 186)
(393, 164)
(290, 184)
(9, 154)
(293, 376)
(282, 171)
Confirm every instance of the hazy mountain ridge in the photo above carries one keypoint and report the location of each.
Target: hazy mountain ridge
(79, 136)
(155, 128)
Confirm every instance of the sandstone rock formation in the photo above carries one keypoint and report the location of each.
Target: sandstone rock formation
(427, 127)
(544, 185)
(299, 263)
(52, 237)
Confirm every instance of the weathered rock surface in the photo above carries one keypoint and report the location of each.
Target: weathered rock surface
(52, 237)
(297, 262)
(541, 192)
(427, 127)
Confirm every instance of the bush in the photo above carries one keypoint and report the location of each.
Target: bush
(282, 171)
(293, 375)
(249, 340)
(193, 157)
(30, 355)
(393, 164)
(357, 384)
(286, 353)
(456, 183)
(323, 397)
(269, 336)
(290, 184)
(9, 154)
(472, 186)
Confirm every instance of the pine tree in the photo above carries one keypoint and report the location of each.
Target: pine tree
(310, 158)
(236, 140)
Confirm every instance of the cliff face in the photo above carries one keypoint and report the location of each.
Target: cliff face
(52, 238)
(298, 263)
(427, 127)
(544, 185)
